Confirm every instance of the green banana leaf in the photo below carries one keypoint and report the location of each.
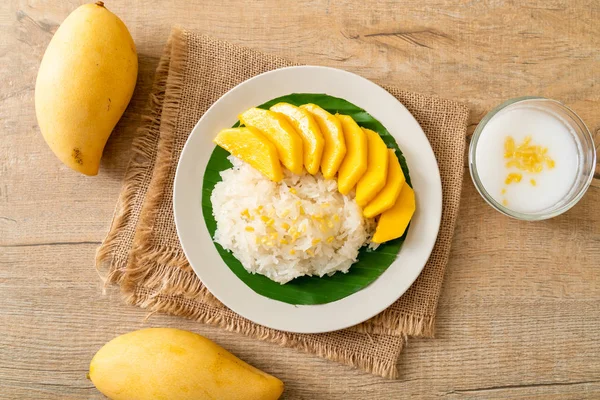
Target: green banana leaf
(309, 290)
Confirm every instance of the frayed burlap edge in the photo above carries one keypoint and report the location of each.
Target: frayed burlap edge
(141, 250)
(143, 298)
(146, 257)
(139, 163)
(403, 324)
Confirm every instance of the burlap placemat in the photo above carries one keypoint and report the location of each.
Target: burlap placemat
(142, 254)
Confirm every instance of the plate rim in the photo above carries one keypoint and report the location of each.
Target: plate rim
(328, 327)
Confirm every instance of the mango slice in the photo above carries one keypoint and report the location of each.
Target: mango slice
(335, 144)
(313, 142)
(279, 131)
(355, 163)
(251, 146)
(377, 167)
(385, 199)
(167, 363)
(393, 222)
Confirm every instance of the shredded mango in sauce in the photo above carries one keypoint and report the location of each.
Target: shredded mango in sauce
(525, 157)
(513, 177)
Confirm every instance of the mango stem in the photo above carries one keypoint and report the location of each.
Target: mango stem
(100, 3)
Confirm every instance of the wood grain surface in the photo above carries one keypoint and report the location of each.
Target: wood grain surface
(519, 316)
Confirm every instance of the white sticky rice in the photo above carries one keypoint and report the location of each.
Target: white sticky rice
(299, 226)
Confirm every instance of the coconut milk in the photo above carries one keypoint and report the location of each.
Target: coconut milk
(527, 159)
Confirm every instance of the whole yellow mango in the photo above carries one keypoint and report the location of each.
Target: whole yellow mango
(84, 84)
(166, 363)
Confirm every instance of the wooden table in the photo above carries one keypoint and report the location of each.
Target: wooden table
(507, 327)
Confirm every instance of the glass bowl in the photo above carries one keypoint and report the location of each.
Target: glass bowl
(586, 157)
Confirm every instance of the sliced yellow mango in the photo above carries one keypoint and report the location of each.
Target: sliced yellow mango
(279, 131)
(355, 163)
(313, 142)
(251, 146)
(385, 199)
(335, 144)
(377, 167)
(393, 222)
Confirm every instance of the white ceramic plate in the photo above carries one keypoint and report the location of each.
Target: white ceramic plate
(358, 307)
